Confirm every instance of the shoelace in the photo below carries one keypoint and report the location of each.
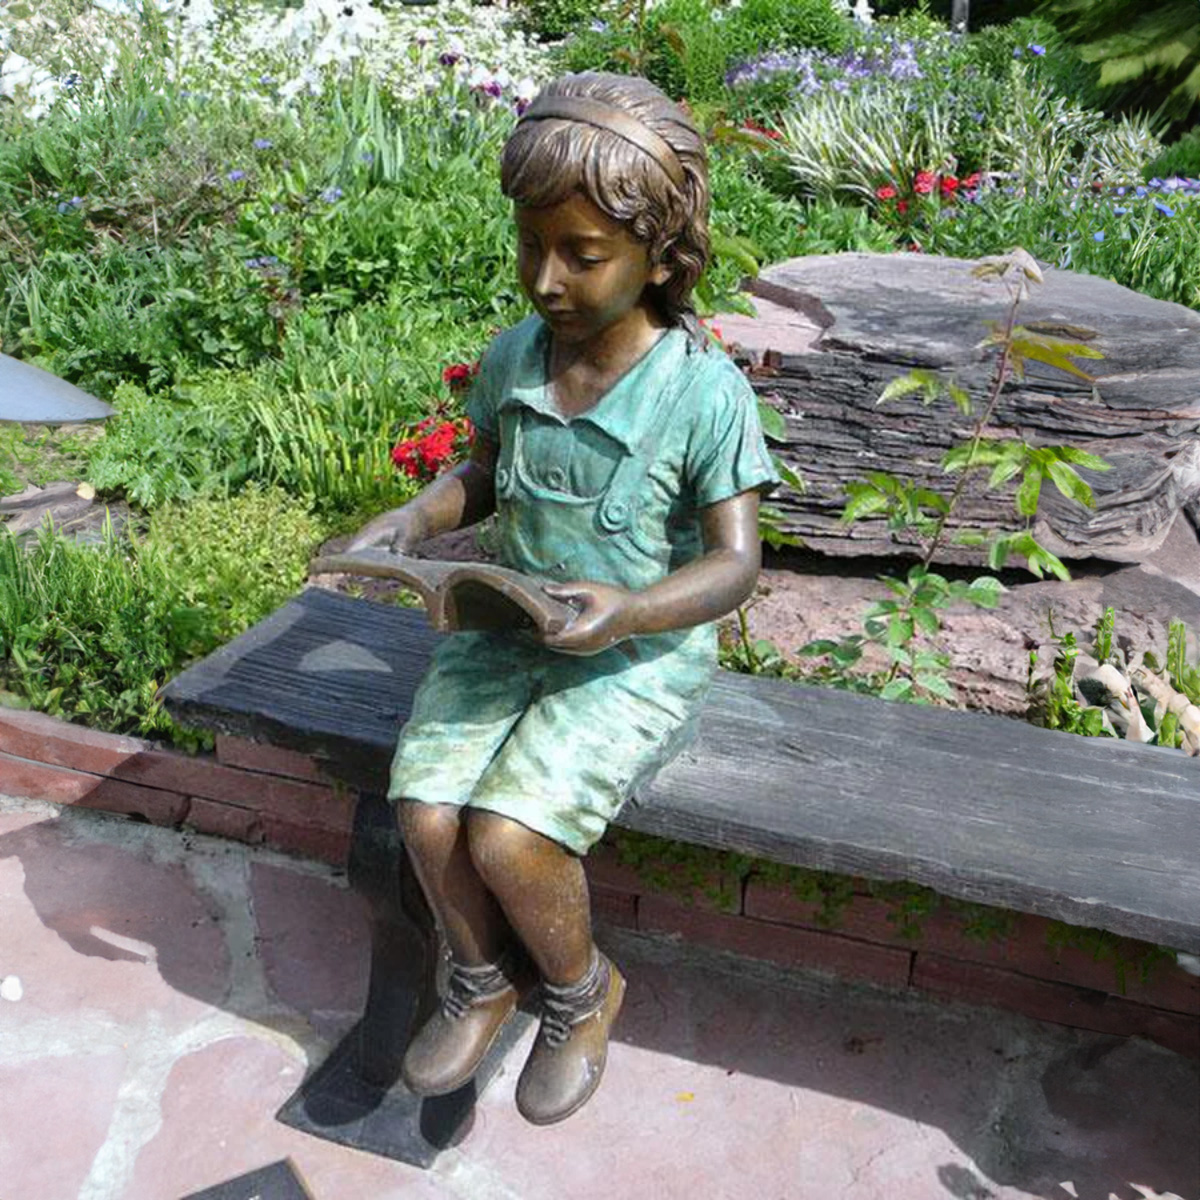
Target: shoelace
(468, 986)
(564, 1007)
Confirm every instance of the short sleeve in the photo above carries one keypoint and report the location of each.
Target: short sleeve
(727, 453)
(483, 399)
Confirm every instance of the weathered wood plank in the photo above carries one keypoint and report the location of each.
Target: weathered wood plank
(1091, 831)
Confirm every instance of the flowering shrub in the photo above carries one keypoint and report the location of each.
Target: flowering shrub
(438, 441)
(435, 444)
(269, 55)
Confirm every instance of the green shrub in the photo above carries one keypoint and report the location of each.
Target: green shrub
(1181, 157)
(173, 446)
(233, 561)
(90, 631)
(549, 20)
(758, 25)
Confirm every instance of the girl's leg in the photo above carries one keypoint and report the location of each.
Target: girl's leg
(471, 920)
(482, 991)
(543, 892)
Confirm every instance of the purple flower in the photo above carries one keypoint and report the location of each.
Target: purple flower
(1120, 191)
(1165, 209)
(1140, 192)
(236, 176)
(1035, 49)
(448, 58)
(332, 195)
(263, 143)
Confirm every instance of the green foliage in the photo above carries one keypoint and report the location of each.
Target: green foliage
(1148, 55)
(176, 446)
(552, 19)
(1180, 158)
(234, 561)
(687, 46)
(1144, 242)
(91, 632)
(758, 25)
(897, 625)
(1054, 704)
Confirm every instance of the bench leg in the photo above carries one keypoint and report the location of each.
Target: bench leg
(355, 1097)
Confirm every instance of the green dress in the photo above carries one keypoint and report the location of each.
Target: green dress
(559, 741)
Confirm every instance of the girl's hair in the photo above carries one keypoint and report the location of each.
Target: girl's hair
(547, 160)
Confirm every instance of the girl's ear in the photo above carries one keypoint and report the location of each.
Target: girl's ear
(660, 274)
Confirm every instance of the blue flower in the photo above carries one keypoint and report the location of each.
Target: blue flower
(1120, 191)
(1098, 236)
(1016, 52)
(236, 176)
(332, 195)
(263, 143)
(1140, 192)
(598, 26)
(1119, 211)
(1035, 49)
(1165, 209)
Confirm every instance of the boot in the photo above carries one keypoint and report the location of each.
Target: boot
(568, 1056)
(449, 1047)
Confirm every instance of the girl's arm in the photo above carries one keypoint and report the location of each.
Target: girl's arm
(462, 496)
(711, 586)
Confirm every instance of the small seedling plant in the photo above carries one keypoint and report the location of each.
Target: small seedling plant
(906, 624)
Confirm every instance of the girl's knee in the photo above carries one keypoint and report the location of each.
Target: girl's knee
(498, 845)
(427, 827)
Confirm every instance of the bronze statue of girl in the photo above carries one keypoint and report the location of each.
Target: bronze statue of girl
(622, 456)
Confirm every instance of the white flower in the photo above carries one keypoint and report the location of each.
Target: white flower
(526, 89)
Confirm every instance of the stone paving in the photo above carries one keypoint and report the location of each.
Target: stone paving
(162, 994)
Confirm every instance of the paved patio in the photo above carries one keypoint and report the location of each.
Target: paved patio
(162, 994)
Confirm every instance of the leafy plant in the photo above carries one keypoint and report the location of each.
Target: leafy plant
(898, 624)
(1149, 56)
(233, 561)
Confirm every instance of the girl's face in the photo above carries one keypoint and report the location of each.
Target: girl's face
(584, 273)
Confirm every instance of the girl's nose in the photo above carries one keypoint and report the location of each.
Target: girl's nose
(549, 279)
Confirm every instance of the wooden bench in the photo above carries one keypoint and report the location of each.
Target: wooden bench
(1093, 832)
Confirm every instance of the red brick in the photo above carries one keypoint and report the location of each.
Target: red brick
(603, 866)
(20, 777)
(308, 841)
(1028, 951)
(862, 917)
(44, 739)
(611, 906)
(784, 944)
(1062, 1003)
(225, 820)
(271, 760)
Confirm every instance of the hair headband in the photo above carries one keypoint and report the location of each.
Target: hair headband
(615, 120)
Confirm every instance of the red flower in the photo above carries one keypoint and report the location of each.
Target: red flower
(887, 192)
(972, 181)
(435, 444)
(458, 376)
(923, 184)
(902, 207)
(949, 185)
(755, 127)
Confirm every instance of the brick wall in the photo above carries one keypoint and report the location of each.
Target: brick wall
(265, 795)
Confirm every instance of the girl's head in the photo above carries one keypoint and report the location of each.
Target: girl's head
(622, 144)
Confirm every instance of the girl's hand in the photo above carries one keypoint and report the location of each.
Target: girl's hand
(396, 531)
(606, 617)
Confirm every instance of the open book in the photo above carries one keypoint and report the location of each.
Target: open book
(460, 596)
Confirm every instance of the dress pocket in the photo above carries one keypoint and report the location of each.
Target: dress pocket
(578, 460)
